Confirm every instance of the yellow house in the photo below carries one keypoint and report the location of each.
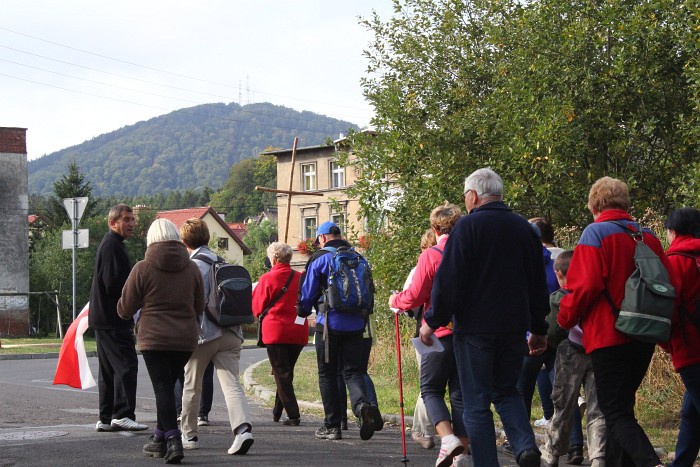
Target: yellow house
(226, 239)
(316, 170)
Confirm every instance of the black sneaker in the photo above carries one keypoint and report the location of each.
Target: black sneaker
(203, 420)
(174, 453)
(344, 424)
(291, 422)
(366, 422)
(529, 458)
(575, 456)
(329, 433)
(155, 447)
(378, 419)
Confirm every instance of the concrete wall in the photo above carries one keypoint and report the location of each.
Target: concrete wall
(14, 235)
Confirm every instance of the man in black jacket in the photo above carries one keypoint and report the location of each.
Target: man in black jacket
(118, 363)
(491, 283)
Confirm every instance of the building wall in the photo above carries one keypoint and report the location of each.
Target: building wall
(234, 254)
(321, 207)
(14, 236)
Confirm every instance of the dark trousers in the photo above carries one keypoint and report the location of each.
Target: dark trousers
(619, 370)
(346, 349)
(371, 393)
(118, 370)
(283, 359)
(532, 364)
(164, 367)
(688, 443)
(207, 397)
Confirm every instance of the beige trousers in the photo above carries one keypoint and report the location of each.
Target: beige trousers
(225, 352)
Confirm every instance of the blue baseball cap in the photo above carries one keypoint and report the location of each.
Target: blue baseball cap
(326, 228)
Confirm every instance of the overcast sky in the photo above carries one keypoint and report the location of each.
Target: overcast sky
(75, 69)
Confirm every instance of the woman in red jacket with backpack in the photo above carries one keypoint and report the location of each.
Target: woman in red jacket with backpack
(683, 231)
(283, 335)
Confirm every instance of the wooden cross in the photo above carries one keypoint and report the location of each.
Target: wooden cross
(289, 192)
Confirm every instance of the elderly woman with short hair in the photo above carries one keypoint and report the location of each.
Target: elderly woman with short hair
(276, 297)
(167, 288)
(602, 262)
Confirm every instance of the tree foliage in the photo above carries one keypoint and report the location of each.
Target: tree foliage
(238, 198)
(552, 95)
(257, 239)
(70, 185)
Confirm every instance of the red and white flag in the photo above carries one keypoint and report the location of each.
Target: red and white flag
(73, 369)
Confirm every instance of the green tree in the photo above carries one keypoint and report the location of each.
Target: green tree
(257, 239)
(552, 95)
(238, 198)
(70, 185)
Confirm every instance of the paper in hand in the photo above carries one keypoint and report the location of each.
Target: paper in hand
(424, 349)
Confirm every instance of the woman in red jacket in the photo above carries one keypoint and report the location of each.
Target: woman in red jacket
(603, 260)
(283, 333)
(683, 231)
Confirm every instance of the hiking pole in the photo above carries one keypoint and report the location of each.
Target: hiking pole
(398, 359)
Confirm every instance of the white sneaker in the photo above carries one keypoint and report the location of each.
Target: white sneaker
(450, 447)
(460, 461)
(241, 443)
(542, 422)
(102, 426)
(127, 424)
(190, 443)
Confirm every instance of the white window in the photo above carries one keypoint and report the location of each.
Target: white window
(309, 228)
(337, 175)
(339, 220)
(222, 243)
(308, 177)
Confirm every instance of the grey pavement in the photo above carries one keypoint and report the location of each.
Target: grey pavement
(42, 424)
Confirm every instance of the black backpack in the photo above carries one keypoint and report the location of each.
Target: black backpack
(230, 293)
(691, 315)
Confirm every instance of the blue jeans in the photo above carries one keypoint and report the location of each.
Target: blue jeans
(545, 380)
(688, 443)
(489, 366)
(529, 373)
(438, 370)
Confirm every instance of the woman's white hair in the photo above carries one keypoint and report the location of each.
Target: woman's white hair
(280, 251)
(162, 230)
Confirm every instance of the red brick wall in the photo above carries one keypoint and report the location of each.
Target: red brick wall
(13, 140)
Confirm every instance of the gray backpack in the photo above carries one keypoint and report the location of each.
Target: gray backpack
(647, 306)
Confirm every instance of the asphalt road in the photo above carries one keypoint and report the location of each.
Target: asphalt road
(42, 424)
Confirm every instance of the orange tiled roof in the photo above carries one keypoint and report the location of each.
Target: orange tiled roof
(179, 216)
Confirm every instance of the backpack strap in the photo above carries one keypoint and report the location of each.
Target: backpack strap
(277, 297)
(436, 249)
(637, 236)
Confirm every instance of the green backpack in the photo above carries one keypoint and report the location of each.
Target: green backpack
(647, 306)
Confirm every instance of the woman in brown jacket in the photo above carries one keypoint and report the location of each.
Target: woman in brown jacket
(166, 291)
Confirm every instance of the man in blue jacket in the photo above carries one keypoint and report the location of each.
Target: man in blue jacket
(338, 345)
(491, 284)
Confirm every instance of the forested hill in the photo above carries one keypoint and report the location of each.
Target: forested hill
(188, 148)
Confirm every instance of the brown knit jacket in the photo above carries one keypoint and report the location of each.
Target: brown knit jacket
(167, 287)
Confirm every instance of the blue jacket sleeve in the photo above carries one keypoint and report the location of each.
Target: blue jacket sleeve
(310, 290)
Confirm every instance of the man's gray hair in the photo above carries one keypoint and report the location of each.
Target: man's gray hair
(486, 182)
